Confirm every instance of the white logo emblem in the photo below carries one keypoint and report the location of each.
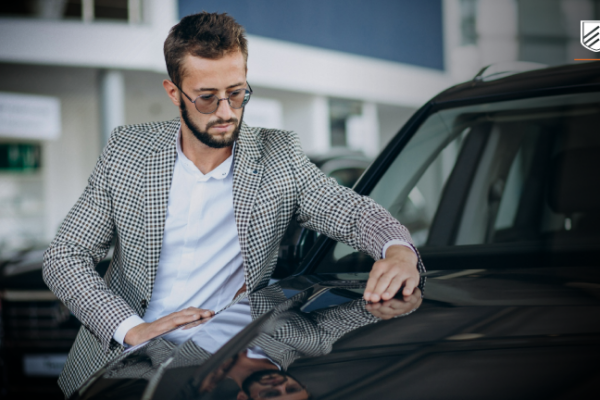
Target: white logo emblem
(590, 35)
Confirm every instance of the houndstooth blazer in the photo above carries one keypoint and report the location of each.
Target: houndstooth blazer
(127, 195)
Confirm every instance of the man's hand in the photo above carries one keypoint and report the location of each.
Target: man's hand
(146, 331)
(394, 307)
(397, 269)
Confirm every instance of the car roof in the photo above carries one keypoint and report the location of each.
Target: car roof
(525, 84)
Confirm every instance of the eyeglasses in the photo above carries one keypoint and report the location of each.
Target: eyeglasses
(208, 103)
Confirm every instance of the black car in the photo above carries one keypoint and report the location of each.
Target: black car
(37, 330)
(498, 180)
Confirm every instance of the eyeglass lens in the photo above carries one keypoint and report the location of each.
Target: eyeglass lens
(209, 103)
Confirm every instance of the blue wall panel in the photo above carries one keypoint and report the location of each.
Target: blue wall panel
(406, 31)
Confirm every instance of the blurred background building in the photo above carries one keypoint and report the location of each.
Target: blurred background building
(341, 73)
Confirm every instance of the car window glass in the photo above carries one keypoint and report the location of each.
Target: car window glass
(496, 173)
(526, 186)
(412, 185)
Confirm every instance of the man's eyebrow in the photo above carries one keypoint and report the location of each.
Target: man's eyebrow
(214, 89)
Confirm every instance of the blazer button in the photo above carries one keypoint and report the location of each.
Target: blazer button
(144, 303)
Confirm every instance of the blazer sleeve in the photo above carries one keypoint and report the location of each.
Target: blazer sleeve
(313, 334)
(341, 213)
(82, 241)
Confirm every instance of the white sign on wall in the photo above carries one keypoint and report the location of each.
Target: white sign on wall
(27, 116)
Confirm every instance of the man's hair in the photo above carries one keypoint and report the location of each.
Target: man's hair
(203, 35)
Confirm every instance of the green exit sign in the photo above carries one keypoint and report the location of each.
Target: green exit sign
(20, 157)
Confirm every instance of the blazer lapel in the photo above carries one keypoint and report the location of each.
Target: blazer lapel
(159, 174)
(247, 174)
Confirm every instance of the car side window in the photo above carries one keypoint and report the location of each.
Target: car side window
(413, 184)
(505, 173)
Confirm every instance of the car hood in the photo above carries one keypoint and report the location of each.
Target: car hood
(476, 333)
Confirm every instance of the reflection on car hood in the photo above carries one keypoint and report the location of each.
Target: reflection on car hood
(477, 334)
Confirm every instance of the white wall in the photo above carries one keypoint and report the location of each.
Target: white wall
(362, 131)
(305, 114)
(305, 69)
(496, 25)
(264, 112)
(146, 99)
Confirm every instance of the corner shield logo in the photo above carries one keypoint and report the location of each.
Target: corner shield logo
(590, 35)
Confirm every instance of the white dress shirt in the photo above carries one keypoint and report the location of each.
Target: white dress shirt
(200, 261)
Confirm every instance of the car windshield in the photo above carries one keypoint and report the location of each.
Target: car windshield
(503, 175)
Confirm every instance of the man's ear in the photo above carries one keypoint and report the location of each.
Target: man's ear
(172, 91)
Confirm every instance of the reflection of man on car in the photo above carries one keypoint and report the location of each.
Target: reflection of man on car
(295, 334)
(269, 384)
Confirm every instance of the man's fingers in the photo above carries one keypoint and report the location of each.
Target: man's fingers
(398, 268)
(184, 319)
(184, 313)
(376, 272)
(193, 311)
(199, 314)
(409, 286)
(205, 317)
(393, 287)
(382, 285)
(172, 321)
(188, 315)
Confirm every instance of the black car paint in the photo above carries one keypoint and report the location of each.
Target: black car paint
(510, 333)
(478, 334)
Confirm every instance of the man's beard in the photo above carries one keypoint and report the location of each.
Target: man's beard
(203, 136)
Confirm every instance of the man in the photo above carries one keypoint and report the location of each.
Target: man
(198, 206)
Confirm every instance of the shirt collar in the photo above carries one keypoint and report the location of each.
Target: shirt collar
(220, 172)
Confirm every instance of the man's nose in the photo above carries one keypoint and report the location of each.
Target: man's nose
(224, 110)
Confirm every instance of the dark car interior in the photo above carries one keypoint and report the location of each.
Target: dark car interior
(518, 189)
(537, 175)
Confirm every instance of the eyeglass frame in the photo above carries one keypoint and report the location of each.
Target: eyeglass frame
(249, 90)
